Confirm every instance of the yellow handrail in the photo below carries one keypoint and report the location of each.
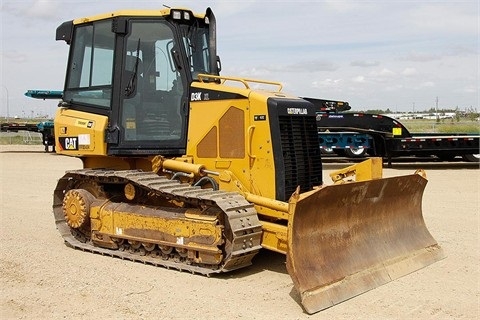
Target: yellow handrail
(244, 81)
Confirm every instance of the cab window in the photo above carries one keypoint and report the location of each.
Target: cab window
(89, 78)
(152, 85)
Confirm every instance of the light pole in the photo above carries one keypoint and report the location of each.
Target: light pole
(6, 90)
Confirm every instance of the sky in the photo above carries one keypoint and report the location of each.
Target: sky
(377, 54)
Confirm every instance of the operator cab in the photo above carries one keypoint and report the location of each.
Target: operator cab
(137, 69)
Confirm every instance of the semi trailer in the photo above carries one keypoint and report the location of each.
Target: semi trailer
(358, 135)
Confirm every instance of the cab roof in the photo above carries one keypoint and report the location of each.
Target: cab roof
(135, 13)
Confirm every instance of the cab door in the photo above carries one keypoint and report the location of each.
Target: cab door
(152, 112)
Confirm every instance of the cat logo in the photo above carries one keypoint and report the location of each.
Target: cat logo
(69, 143)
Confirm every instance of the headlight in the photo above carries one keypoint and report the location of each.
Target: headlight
(181, 15)
(177, 15)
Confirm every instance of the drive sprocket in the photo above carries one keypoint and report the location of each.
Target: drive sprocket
(76, 207)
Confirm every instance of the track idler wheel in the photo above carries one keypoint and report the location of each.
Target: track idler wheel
(76, 207)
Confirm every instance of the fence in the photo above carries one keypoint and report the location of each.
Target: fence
(20, 137)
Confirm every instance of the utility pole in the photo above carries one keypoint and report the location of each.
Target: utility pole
(8, 113)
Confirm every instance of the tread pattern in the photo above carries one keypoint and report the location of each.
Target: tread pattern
(240, 214)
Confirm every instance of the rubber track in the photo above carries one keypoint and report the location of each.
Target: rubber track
(241, 215)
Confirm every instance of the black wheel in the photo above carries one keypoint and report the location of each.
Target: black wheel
(327, 151)
(446, 157)
(355, 152)
(471, 157)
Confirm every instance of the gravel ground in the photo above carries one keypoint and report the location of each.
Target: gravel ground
(41, 278)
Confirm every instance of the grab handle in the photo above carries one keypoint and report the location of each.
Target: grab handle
(250, 131)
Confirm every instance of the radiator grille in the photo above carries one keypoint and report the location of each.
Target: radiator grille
(301, 153)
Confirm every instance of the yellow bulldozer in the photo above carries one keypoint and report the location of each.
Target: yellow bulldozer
(190, 170)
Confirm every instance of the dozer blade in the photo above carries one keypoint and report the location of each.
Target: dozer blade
(349, 238)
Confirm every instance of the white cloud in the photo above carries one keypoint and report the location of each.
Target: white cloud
(306, 66)
(359, 79)
(421, 57)
(327, 83)
(427, 84)
(449, 17)
(364, 63)
(470, 89)
(225, 9)
(43, 9)
(382, 75)
(341, 6)
(13, 56)
(408, 72)
(394, 87)
(253, 72)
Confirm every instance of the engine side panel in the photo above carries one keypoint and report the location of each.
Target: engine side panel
(80, 133)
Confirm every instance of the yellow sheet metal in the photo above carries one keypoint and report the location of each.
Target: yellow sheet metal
(350, 238)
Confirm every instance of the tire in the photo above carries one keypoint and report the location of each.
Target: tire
(355, 152)
(471, 157)
(327, 151)
(446, 157)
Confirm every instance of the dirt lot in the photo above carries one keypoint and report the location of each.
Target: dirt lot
(41, 278)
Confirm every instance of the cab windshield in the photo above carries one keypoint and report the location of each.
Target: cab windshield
(195, 41)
